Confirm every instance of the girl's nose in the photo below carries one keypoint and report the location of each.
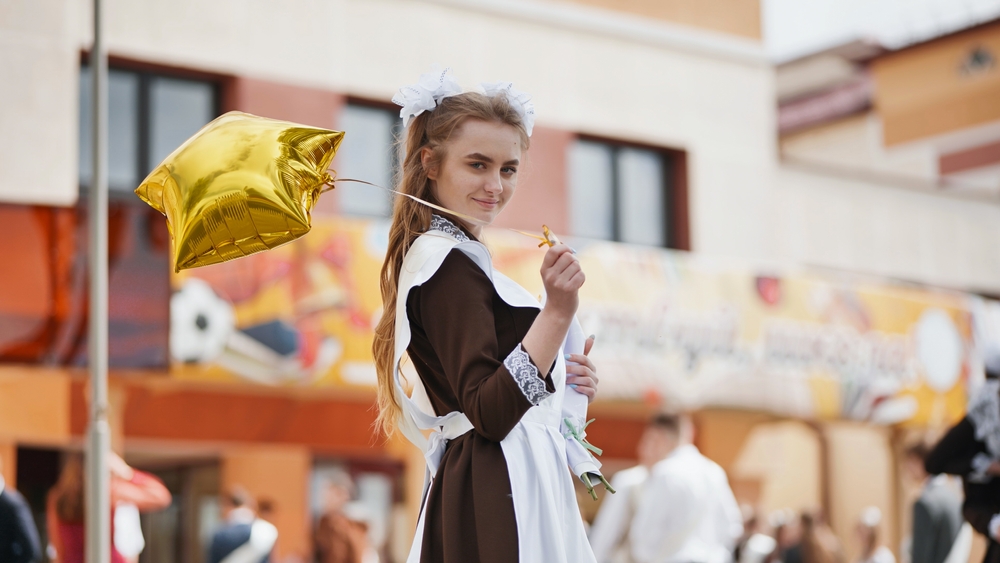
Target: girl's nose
(494, 186)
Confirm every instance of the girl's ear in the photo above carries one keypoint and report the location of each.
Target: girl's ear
(427, 161)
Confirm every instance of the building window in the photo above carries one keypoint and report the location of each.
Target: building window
(369, 155)
(626, 193)
(149, 115)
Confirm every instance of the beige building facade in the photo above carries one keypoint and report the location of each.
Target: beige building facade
(687, 82)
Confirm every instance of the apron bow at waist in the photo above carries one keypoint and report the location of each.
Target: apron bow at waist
(457, 424)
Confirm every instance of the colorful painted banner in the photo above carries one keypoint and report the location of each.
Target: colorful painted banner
(671, 327)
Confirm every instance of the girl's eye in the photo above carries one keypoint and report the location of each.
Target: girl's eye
(478, 165)
(509, 170)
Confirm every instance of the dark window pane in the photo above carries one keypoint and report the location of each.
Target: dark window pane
(591, 187)
(366, 155)
(178, 109)
(640, 197)
(123, 130)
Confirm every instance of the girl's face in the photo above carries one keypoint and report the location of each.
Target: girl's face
(478, 174)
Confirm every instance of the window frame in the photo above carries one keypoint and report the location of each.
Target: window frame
(395, 150)
(675, 203)
(146, 72)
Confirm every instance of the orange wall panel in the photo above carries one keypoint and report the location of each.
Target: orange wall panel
(34, 405)
(8, 464)
(923, 90)
(279, 475)
(618, 437)
(735, 17)
(328, 425)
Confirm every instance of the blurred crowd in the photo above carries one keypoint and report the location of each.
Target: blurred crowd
(244, 533)
(676, 506)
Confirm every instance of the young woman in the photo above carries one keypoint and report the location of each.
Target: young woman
(488, 356)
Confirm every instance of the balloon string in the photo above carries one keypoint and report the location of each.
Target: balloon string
(548, 237)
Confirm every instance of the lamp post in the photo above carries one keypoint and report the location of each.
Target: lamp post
(98, 477)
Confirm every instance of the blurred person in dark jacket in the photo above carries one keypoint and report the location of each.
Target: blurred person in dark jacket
(338, 538)
(937, 514)
(971, 450)
(243, 537)
(18, 535)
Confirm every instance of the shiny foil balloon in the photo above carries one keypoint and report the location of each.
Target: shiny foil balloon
(241, 185)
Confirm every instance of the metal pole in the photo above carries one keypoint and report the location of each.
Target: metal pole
(98, 490)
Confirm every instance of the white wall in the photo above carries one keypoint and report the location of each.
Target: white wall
(39, 62)
(589, 71)
(897, 232)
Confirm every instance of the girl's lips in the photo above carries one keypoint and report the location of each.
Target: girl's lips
(486, 204)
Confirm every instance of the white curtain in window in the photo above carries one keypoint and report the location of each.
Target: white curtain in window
(591, 190)
(365, 154)
(178, 109)
(640, 197)
(123, 130)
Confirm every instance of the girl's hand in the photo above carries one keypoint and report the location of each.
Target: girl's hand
(119, 468)
(562, 277)
(581, 373)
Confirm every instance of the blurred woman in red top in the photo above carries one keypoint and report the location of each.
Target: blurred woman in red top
(65, 506)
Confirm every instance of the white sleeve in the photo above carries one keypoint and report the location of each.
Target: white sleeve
(659, 527)
(731, 518)
(611, 522)
(994, 527)
(128, 530)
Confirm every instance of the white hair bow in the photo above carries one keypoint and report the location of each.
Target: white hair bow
(426, 94)
(518, 99)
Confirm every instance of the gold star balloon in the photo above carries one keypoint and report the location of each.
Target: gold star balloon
(241, 185)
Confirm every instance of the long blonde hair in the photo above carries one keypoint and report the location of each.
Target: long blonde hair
(429, 130)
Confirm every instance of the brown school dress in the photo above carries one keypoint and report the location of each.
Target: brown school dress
(461, 333)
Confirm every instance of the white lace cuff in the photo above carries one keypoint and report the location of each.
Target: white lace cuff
(526, 375)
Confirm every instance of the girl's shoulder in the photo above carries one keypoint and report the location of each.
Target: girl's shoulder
(430, 249)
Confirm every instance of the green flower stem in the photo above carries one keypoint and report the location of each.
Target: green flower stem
(580, 435)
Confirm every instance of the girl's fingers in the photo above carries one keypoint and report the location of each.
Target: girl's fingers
(581, 371)
(582, 360)
(564, 264)
(554, 254)
(583, 385)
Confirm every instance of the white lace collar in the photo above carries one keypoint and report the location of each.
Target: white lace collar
(984, 413)
(439, 223)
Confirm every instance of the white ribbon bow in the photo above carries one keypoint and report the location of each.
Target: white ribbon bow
(426, 94)
(520, 101)
(454, 425)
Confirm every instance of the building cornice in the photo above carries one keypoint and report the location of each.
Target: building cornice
(620, 25)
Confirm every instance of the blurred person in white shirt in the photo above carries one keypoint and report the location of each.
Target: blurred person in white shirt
(686, 511)
(610, 530)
